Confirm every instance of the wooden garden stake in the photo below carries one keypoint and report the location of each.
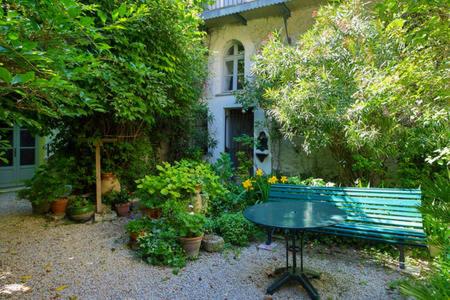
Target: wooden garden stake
(98, 178)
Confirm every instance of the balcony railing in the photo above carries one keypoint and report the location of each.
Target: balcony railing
(226, 3)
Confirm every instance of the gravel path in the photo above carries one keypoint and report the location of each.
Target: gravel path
(41, 260)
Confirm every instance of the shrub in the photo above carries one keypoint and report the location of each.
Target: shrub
(179, 181)
(160, 247)
(235, 229)
(139, 225)
(190, 224)
(50, 182)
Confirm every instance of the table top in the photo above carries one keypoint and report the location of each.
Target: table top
(295, 214)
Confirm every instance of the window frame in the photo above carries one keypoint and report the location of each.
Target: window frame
(235, 58)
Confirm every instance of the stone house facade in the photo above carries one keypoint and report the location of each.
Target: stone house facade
(236, 30)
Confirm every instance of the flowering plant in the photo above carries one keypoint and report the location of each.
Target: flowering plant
(259, 185)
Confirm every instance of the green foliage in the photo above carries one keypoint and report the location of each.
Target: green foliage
(235, 229)
(114, 197)
(224, 168)
(160, 247)
(51, 181)
(79, 202)
(179, 181)
(139, 225)
(122, 62)
(190, 224)
(436, 285)
(371, 87)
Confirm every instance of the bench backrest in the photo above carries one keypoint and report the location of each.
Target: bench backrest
(371, 206)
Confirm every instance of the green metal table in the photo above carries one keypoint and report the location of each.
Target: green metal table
(294, 218)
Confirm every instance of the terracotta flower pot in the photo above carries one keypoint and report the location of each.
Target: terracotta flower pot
(152, 213)
(191, 245)
(123, 209)
(59, 206)
(134, 236)
(109, 183)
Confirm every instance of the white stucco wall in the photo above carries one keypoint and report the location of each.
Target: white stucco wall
(251, 36)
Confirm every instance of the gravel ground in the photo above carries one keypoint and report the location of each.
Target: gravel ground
(41, 260)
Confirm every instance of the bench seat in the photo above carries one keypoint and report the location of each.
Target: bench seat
(380, 214)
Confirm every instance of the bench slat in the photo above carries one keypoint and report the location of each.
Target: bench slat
(390, 191)
(368, 228)
(348, 193)
(375, 238)
(346, 199)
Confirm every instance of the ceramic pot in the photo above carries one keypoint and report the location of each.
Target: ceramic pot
(152, 213)
(59, 206)
(109, 183)
(81, 214)
(41, 208)
(123, 209)
(191, 245)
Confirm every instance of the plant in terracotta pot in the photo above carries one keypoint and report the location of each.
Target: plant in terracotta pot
(80, 209)
(137, 228)
(60, 200)
(191, 227)
(121, 202)
(151, 206)
(49, 187)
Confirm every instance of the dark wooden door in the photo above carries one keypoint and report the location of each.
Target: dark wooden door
(237, 124)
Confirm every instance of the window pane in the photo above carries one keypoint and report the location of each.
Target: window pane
(241, 66)
(231, 51)
(229, 68)
(26, 157)
(240, 48)
(26, 139)
(240, 81)
(228, 83)
(9, 156)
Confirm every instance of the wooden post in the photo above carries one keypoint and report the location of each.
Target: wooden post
(98, 178)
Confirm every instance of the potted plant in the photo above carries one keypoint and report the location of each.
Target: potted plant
(137, 228)
(60, 200)
(121, 202)
(151, 206)
(191, 227)
(80, 209)
(48, 188)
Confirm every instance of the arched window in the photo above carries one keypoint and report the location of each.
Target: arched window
(234, 67)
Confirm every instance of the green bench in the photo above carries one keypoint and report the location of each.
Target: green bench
(380, 214)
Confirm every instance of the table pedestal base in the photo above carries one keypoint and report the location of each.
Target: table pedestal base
(292, 273)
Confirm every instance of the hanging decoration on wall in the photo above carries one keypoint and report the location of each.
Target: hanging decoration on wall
(262, 146)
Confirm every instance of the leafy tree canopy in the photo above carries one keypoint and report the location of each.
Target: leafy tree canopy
(113, 61)
(372, 83)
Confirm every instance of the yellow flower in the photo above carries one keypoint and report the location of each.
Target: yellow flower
(272, 180)
(284, 179)
(259, 172)
(247, 185)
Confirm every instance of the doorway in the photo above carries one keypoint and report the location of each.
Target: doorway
(21, 155)
(238, 124)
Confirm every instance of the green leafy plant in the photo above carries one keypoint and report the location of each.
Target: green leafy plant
(79, 202)
(190, 224)
(139, 225)
(50, 182)
(235, 229)
(179, 182)
(436, 285)
(114, 197)
(160, 247)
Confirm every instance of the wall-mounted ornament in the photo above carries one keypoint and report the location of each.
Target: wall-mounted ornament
(263, 142)
(261, 156)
